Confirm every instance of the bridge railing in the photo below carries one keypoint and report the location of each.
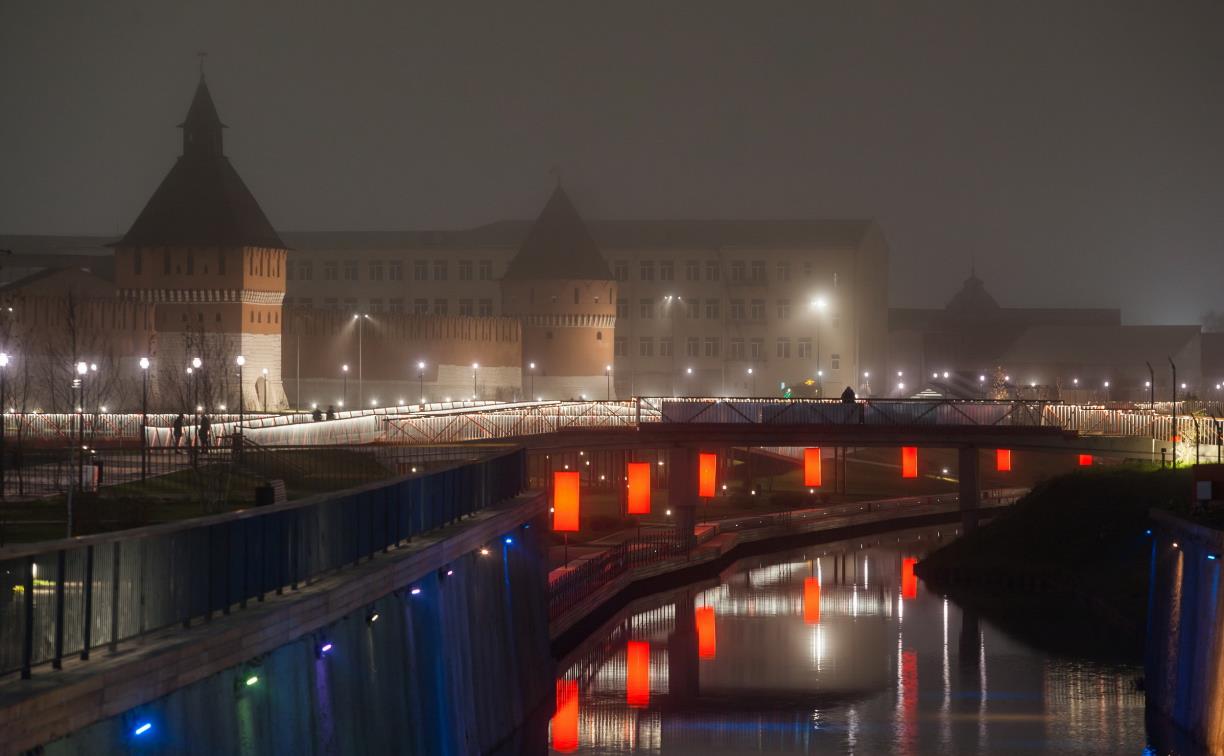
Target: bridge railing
(838, 412)
(513, 421)
(68, 597)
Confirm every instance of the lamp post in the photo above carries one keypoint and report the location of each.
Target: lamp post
(82, 370)
(4, 361)
(264, 374)
(344, 397)
(144, 418)
(240, 361)
(1175, 433)
(531, 374)
(819, 304)
(361, 318)
(752, 381)
(421, 379)
(608, 379)
(475, 368)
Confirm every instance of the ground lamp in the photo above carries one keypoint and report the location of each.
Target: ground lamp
(707, 469)
(565, 720)
(909, 461)
(811, 467)
(639, 490)
(1085, 460)
(1003, 460)
(565, 505)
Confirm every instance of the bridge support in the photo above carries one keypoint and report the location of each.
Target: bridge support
(682, 657)
(682, 492)
(970, 486)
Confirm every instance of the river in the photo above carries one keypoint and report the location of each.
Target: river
(836, 648)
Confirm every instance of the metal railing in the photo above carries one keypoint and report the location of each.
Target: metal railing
(70, 597)
(576, 584)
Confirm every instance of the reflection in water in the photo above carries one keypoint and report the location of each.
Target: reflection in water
(838, 649)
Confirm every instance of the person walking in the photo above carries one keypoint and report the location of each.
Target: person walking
(205, 431)
(177, 431)
(331, 412)
(316, 415)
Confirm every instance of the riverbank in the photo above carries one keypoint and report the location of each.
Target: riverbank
(1066, 568)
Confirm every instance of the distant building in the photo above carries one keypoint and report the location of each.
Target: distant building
(1051, 353)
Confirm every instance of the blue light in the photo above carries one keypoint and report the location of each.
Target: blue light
(415, 591)
(326, 648)
(509, 539)
(1212, 557)
(143, 728)
(1148, 531)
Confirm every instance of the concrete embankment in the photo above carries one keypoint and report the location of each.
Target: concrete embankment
(438, 647)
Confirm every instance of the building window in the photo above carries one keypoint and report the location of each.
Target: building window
(420, 270)
(692, 270)
(465, 307)
(376, 305)
(576, 295)
(465, 270)
(350, 270)
(350, 304)
(439, 307)
(137, 262)
(783, 348)
(665, 346)
(376, 270)
(331, 303)
(804, 349)
(330, 269)
(305, 302)
(485, 308)
(622, 308)
(646, 270)
(395, 305)
(190, 263)
(807, 268)
(692, 347)
(736, 310)
(737, 271)
(619, 346)
(712, 309)
(646, 346)
(599, 335)
(646, 309)
(835, 362)
(484, 270)
(783, 271)
(756, 349)
(692, 308)
(439, 270)
(166, 262)
(395, 270)
(784, 309)
(712, 346)
(735, 349)
(305, 270)
(757, 310)
(620, 270)
(667, 270)
(756, 271)
(420, 307)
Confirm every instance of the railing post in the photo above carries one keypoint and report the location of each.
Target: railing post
(115, 568)
(57, 661)
(27, 640)
(87, 624)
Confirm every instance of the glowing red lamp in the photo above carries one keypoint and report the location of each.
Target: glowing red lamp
(1085, 460)
(811, 467)
(909, 581)
(637, 674)
(639, 488)
(1003, 460)
(811, 600)
(707, 644)
(909, 461)
(565, 502)
(565, 720)
(707, 470)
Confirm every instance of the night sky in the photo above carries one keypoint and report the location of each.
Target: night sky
(1071, 149)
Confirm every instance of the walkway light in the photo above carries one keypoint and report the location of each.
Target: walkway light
(144, 363)
(82, 368)
(142, 728)
(909, 462)
(639, 488)
(1085, 460)
(196, 362)
(252, 681)
(240, 361)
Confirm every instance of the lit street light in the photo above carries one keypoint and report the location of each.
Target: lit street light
(4, 361)
(531, 377)
(421, 378)
(344, 397)
(608, 378)
(475, 368)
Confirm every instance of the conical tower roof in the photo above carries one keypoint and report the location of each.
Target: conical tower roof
(202, 201)
(559, 247)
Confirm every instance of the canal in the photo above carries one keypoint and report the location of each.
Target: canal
(832, 649)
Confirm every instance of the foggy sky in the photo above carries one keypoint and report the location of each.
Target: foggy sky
(1071, 149)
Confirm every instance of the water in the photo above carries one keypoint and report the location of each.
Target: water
(832, 649)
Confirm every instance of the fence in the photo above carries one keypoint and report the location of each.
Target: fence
(573, 586)
(73, 596)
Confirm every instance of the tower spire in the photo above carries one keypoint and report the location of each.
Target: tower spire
(202, 126)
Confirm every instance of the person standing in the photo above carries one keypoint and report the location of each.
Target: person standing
(177, 431)
(205, 431)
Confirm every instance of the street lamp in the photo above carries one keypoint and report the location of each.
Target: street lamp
(144, 418)
(4, 361)
(819, 305)
(361, 318)
(531, 374)
(608, 378)
(752, 379)
(344, 397)
(264, 373)
(240, 361)
(82, 370)
(421, 378)
(475, 367)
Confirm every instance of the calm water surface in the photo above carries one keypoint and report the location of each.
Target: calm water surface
(832, 649)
